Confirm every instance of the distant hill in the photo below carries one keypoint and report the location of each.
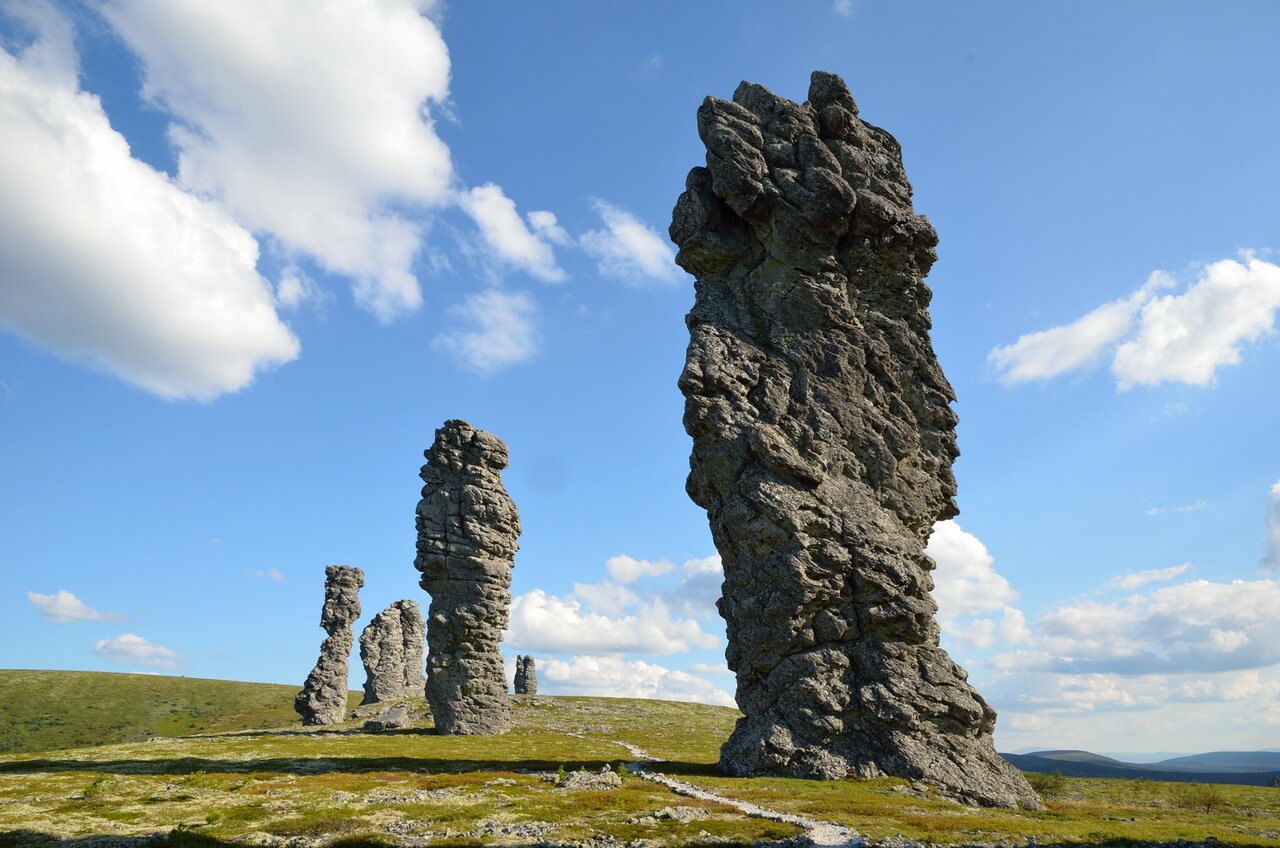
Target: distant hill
(51, 710)
(1251, 768)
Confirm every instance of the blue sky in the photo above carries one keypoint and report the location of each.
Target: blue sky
(252, 255)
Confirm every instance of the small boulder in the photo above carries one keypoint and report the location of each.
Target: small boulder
(396, 719)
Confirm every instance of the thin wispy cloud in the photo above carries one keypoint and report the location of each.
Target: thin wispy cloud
(1154, 511)
(629, 249)
(1270, 563)
(273, 575)
(1134, 579)
(132, 649)
(493, 329)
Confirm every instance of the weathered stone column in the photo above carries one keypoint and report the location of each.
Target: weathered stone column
(323, 699)
(391, 649)
(526, 682)
(823, 438)
(467, 531)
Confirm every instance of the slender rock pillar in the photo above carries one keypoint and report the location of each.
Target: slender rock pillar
(323, 699)
(467, 531)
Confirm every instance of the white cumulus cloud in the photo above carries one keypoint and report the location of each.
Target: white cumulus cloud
(965, 581)
(628, 248)
(103, 259)
(627, 569)
(1188, 628)
(1048, 353)
(1271, 558)
(1172, 338)
(564, 625)
(605, 676)
(133, 649)
(309, 121)
(64, 607)
(1185, 338)
(494, 329)
(525, 246)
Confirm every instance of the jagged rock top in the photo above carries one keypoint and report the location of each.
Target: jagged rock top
(809, 191)
(342, 585)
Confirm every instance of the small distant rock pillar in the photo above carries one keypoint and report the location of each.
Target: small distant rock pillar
(467, 531)
(323, 699)
(823, 439)
(391, 649)
(526, 682)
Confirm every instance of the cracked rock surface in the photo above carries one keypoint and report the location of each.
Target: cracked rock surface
(391, 650)
(323, 699)
(467, 531)
(823, 439)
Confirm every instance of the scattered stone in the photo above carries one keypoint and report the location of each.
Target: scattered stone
(823, 439)
(681, 814)
(391, 649)
(396, 719)
(323, 699)
(526, 682)
(583, 780)
(467, 531)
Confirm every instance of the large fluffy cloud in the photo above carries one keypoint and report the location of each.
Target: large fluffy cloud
(103, 259)
(309, 120)
(605, 676)
(564, 625)
(1171, 338)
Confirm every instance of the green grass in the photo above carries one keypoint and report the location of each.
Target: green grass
(51, 710)
(342, 788)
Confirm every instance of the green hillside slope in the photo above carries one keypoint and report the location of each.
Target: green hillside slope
(50, 710)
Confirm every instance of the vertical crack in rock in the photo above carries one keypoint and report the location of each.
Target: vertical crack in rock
(391, 650)
(323, 699)
(823, 439)
(526, 682)
(467, 531)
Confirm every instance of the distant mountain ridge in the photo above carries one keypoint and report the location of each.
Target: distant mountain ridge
(1252, 768)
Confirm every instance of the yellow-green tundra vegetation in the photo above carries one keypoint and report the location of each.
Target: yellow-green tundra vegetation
(290, 786)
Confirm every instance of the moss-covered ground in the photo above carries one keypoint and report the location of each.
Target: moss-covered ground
(342, 787)
(47, 710)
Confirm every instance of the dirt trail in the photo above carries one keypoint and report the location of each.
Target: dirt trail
(820, 833)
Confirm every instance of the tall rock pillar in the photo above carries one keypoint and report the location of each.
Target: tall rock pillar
(823, 438)
(323, 699)
(467, 531)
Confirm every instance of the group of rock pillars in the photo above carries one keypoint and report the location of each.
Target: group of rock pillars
(823, 440)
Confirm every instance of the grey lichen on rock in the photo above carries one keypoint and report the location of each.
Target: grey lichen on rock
(526, 680)
(467, 531)
(391, 649)
(323, 699)
(823, 439)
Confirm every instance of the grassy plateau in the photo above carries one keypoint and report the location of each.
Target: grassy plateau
(245, 772)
